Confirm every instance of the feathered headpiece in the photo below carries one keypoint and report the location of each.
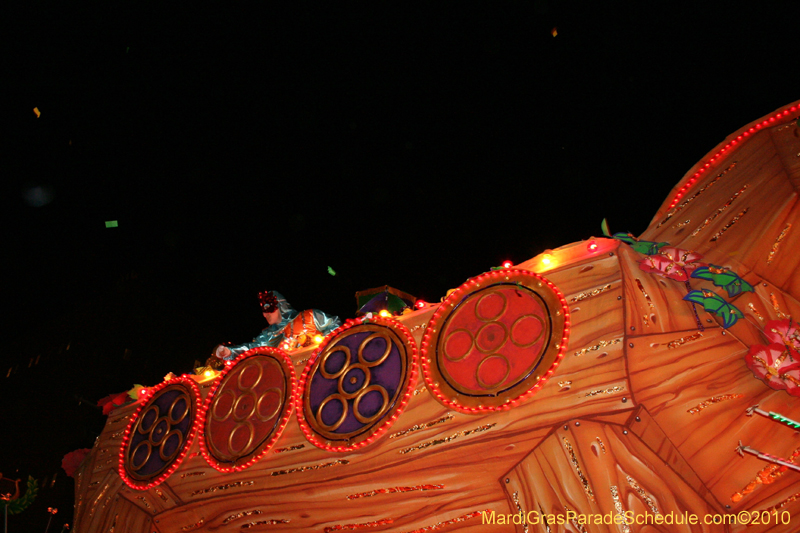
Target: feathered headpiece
(269, 303)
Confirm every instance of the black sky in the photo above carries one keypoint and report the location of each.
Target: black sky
(243, 147)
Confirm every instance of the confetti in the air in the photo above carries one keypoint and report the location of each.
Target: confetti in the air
(111, 224)
(37, 112)
(554, 31)
(331, 271)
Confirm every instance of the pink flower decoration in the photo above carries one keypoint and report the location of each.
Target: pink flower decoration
(674, 263)
(112, 401)
(784, 332)
(73, 460)
(775, 365)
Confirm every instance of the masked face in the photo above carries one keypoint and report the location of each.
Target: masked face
(273, 317)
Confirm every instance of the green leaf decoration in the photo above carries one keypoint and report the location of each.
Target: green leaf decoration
(643, 247)
(722, 277)
(604, 227)
(24, 501)
(713, 303)
(134, 392)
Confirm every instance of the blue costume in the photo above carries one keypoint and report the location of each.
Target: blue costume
(290, 325)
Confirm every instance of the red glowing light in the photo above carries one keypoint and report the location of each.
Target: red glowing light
(420, 304)
(592, 246)
(507, 264)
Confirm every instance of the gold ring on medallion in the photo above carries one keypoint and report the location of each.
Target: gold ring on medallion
(214, 413)
(278, 406)
(152, 407)
(384, 404)
(498, 315)
(324, 360)
(246, 394)
(365, 342)
(466, 353)
(172, 407)
(235, 454)
(478, 336)
(153, 429)
(164, 443)
(132, 455)
(539, 336)
(252, 363)
(483, 384)
(334, 426)
(367, 377)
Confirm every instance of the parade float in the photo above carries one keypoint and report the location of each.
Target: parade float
(619, 376)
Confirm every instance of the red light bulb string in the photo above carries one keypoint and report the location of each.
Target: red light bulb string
(139, 485)
(727, 150)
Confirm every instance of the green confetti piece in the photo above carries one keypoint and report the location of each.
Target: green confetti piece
(331, 271)
(112, 224)
(604, 228)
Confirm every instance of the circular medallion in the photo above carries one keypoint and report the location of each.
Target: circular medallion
(247, 409)
(159, 433)
(357, 383)
(495, 340)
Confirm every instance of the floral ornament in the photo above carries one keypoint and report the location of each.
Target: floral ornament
(673, 263)
(112, 401)
(713, 303)
(137, 388)
(775, 365)
(723, 277)
(643, 247)
(73, 460)
(786, 333)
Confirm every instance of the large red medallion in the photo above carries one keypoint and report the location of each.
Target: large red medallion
(495, 340)
(247, 410)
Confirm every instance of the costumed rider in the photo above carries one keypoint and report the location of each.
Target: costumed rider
(287, 328)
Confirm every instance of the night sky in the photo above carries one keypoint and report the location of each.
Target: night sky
(242, 148)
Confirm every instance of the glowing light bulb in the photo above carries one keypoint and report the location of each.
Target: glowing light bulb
(318, 338)
(592, 246)
(547, 260)
(507, 264)
(384, 313)
(420, 304)
(208, 373)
